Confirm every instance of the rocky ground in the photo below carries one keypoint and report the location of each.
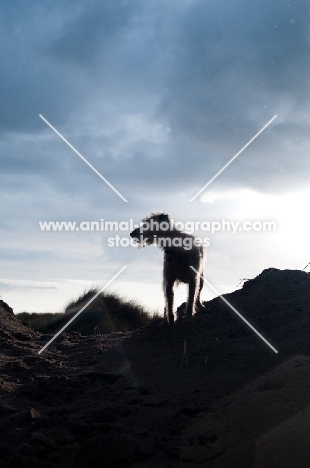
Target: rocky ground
(136, 400)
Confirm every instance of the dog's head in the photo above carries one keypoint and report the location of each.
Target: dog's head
(151, 226)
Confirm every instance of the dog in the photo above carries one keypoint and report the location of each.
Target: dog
(181, 252)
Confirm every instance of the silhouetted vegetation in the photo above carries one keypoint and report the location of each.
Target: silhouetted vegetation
(108, 312)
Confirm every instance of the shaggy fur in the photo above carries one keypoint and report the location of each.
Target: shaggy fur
(178, 258)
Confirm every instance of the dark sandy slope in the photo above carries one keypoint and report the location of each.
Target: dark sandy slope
(125, 400)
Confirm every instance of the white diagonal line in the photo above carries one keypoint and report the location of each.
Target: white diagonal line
(236, 312)
(233, 158)
(84, 159)
(83, 308)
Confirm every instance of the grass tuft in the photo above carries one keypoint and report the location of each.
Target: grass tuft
(108, 312)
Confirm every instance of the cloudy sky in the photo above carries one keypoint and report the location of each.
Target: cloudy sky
(158, 96)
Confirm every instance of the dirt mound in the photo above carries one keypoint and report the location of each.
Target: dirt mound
(135, 399)
(12, 330)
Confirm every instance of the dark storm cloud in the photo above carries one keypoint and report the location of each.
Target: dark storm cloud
(35, 38)
(234, 58)
(212, 66)
(86, 38)
(29, 81)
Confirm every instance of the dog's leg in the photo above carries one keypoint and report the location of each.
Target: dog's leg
(169, 296)
(192, 288)
(198, 302)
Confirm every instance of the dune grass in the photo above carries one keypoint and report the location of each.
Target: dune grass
(108, 312)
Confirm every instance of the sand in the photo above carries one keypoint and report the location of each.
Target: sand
(128, 399)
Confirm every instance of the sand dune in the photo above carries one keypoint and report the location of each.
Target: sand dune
(125, 399)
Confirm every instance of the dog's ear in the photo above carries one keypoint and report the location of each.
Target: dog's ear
(164, 218)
